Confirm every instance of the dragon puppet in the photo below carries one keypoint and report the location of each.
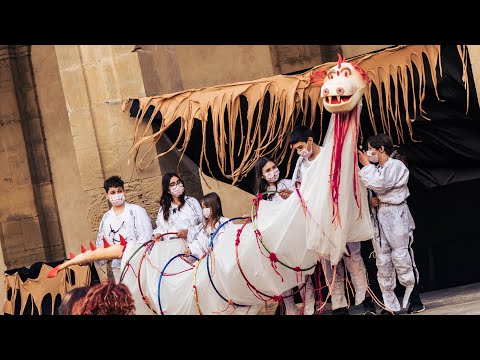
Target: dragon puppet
(273, 250)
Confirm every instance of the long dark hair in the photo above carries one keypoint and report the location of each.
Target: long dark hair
(261, 184)
(71, 298)
(212, 201)
(377, 141)
(167, 198)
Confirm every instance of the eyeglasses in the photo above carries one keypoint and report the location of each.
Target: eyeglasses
(178, 183)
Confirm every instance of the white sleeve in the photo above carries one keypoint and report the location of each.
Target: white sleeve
(286, 184)
(383, 179)
(197, 213)
(160, 222)
(196, 248)
(297, 173)
(144, 225)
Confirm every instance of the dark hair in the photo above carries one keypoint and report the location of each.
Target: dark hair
(167, 198)
(106, 298)
(261, 184)
(301, 134)
(71, 298)
(212, 201)
(377, 141)
(113, 181)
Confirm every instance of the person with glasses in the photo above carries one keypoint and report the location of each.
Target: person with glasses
(178, 212)
(128, 220)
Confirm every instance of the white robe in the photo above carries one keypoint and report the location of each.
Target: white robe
(133, 224)
(199, 238)
(189, 215)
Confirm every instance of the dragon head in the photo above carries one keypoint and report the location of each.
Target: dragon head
(343, 86)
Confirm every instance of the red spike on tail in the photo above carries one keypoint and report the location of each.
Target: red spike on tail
(82, 248)
(71, 255)
(105, 243)
(122, 240)
(92, 246)
(53, 272)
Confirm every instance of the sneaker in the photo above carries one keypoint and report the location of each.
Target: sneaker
(386, 312)
(415, 308)
(369, 307)
(341, 311)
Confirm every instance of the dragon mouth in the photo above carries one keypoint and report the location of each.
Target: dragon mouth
(334, 100)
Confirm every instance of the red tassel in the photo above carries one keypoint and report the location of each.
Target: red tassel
(93, 247)
(82, 248)
(105, 243)
(71, 255)
(122, 240)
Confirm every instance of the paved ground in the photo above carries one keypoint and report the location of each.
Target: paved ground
(461, 300)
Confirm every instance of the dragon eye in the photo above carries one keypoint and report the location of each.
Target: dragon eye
(346, 73)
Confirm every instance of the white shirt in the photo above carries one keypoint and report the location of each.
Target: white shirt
(200, 236)
(189, 215)
(389, 181)
(281, 184)
(133, 224)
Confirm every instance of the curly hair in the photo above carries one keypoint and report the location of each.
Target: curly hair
(106, 298)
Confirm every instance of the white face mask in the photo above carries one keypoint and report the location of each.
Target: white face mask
(117, 199)
(272, 176)
(207, 212)
(372, 158)
(177, 190)
(305, 153)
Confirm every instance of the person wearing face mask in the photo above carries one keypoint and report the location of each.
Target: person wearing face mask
(178, 212)
(302, 140)
(198, 239)
(126, 219)
(267, 178)
(393, 223)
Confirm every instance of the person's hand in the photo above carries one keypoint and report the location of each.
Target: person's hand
(157, 237)
(374, 202)
(182, 233)
(285, 193)
(187, 252)
(363, 157)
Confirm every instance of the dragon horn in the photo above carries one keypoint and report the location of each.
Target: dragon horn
(71, 255)
(122, 240)
(82, 248)
(53, 272)
(105, 243)
(93, 247)
(340, 60)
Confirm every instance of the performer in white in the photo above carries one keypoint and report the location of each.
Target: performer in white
(198, 239)
(128, 220)
(178, 212)
(393, 240)
(267, 178)
(302, 141)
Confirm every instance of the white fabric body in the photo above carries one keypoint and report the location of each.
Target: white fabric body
(286, 230)
(189, 215)
(394, 230)
(133, 224)
(199, 238)
(324, 237)
(358, 275)
(308, 293)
